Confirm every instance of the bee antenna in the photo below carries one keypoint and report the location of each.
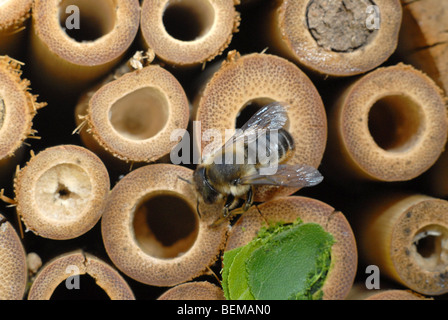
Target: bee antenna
(185, 180)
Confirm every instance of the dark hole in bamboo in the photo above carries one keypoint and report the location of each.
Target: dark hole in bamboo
(83, 288)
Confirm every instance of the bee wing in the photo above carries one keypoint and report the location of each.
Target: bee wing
(271, 117)
(296, 176)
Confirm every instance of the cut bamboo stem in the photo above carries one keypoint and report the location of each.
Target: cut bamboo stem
(336, 38)
(13, 267)
(152, 231)
(61, 192)
(14, 15)
(188, 32)
(74, 264)
(132, 118)
(74, 42)
(389, 125)
(360, 292)
(201, 290)
(245, 83)
(406, 236)
(344, 256)
(17, 110)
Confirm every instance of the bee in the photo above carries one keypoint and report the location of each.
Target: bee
(217, 180)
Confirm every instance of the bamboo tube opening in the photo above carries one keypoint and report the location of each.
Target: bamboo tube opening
(245, 83)
(152, 231)
(336, 38)
(344, 256)
(78, 275)
(431, 247)
(188, 32)
(396, 123)
(188, 20)
(141, 114)
(389, 125)
(166, 235)
(61, 192)
(132, 118)
(13, 266)
(96, 19)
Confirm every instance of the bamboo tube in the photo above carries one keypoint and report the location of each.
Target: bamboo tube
(336, 38)
(188, 32)
(359, 292)
(344, 256)
(14, 15)
(248, 82)
(78, 263)
(389, 125)
(424, 40)
(201, 290)
(132, 118)
(74, 42)
(152, 231)
(60, 193)
(17, 110)
(406, 237)
(13, 268)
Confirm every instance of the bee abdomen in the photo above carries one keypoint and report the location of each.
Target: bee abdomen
(285, 144)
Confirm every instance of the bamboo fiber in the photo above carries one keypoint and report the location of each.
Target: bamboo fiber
(14, 15)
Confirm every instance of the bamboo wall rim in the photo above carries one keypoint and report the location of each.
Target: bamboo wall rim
(242, 79)
(43, 178)
(13, 13)
(197, 290)
(79, 263)
(47, 27)
(300, 45)
(187, 53)
(175, 106)
(361, 154)
(119, 234)
(344, 256)
(13, 266)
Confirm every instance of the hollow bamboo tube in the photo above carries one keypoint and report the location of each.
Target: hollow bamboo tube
(61, 192)
(152, 231)
(200, 290)
(78, 263)
(258, 79)
(17, 110)
(344, 256)
(132, 118)
(14, 15)
(188, 32)
(389, 125)
(336, 38)
(406, 237)
(359, 292)
(74, 42)
(13, 268)
(424, 40)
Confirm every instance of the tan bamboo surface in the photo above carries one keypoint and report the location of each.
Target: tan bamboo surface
(78, 263)
(152, 230)
(200, 290)
(333, 38)
(389, 125)
(68, 58)
(359, 292)
(260, 79)
(61, 192)
(14, 15)
(13, 267)
(188, 32)
(131, 119)
(344, 257)
(405, 236)
(18, 106)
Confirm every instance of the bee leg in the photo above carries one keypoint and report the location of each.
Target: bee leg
(197, 208)
(229, 205)
(249, 199)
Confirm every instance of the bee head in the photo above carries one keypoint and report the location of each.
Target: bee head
(208, 194)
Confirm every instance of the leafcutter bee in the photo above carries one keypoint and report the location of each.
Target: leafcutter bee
(222, 178)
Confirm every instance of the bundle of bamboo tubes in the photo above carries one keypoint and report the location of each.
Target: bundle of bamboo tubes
(109, 107)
